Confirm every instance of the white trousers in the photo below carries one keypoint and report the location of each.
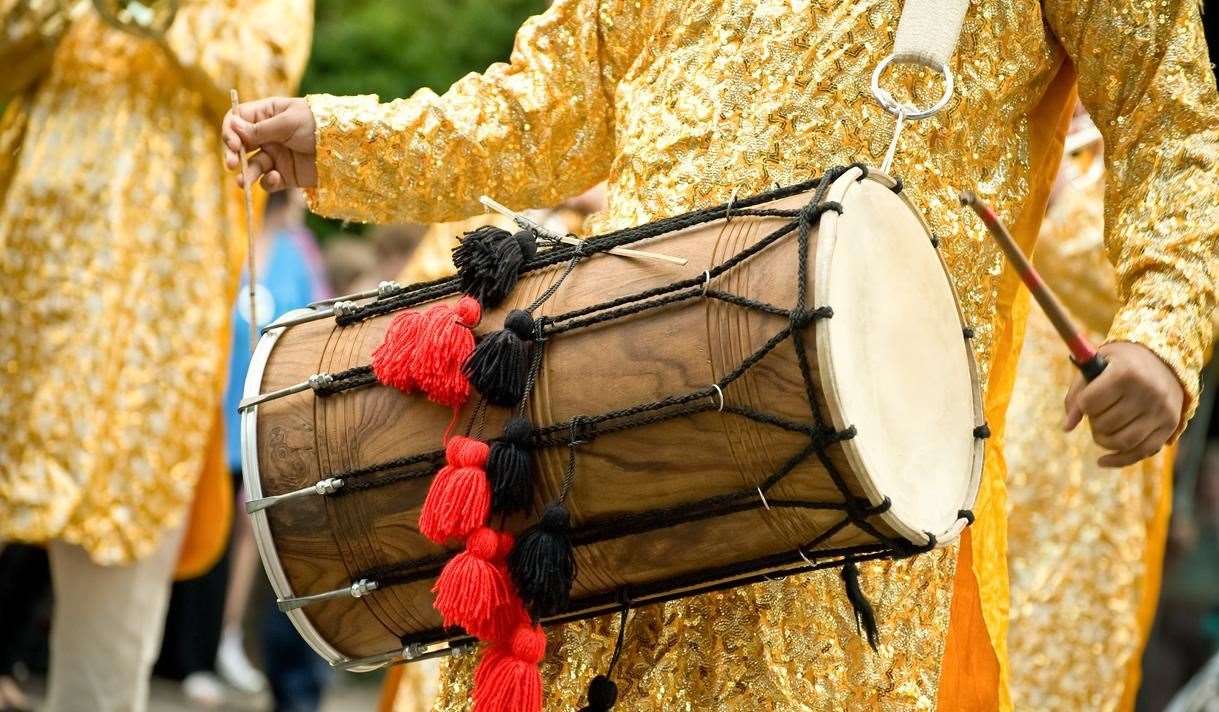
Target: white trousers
(106, 628)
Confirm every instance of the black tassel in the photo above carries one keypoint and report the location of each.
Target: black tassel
(602, 694)
(497, 368)
(510, 468)
(542, 563)
(865, 617)
(489, 261)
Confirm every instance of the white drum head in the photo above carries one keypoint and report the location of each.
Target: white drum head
(894, 362)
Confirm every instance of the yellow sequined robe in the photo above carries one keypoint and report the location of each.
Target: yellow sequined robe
(1085, 542)
(678, 104)
(121, 238)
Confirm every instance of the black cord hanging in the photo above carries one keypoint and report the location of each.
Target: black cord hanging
(865, 617)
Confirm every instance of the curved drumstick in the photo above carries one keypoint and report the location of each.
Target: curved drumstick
(1083, 355)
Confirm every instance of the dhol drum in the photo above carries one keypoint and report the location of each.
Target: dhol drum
(801, 394)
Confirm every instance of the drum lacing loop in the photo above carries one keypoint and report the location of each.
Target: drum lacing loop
(898, 185)
(582, 431)
(541, 327)
(731, 203)
(811, 211)
(967, 515)
(800, 318)
(706, 281)
(823, 435)
(719, 392)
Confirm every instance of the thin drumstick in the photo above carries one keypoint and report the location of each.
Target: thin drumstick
(249, 235)
(526, 224)
(1084, 356)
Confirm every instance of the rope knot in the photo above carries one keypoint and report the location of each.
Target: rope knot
(582, 431)
(801, 318)
(811, 211)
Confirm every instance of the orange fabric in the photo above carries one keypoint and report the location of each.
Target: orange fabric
(1153, 564)
(389, 688)
(982, 562)
(972, 681)
(211, 511)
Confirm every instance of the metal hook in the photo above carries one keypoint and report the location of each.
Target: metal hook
(763, 496)
(731, 202)
(887, 163)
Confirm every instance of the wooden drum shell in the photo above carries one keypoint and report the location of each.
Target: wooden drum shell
(317, 544)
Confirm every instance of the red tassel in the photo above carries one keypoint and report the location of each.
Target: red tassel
(471, 588)
(459, 498)
(507, 618)
(462, 451)
(447, 340)
(391, 362)
(458, 502)
(508, 680)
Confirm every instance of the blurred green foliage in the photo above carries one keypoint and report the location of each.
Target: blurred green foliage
(394, 47)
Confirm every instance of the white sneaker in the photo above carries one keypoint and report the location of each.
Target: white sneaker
(235, 667)
(203, 689)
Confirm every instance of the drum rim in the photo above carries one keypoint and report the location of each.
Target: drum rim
(828, 227)
(253, 485)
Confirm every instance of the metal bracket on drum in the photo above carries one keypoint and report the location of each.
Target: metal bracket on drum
(384, 289)
(359, 589)
(341, 308)
(409, 654)
(322, 487)
(316, 382)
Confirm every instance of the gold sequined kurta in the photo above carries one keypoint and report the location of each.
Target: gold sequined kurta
(676, 104)
(1084, 542)
(120, 243)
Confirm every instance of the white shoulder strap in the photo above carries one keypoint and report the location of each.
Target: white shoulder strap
(928, 30)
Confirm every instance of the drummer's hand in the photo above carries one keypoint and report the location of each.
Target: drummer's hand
(284, 129)
(1133, 407)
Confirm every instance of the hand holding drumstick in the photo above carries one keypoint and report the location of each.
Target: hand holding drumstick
(1132, 399)
(283, 132)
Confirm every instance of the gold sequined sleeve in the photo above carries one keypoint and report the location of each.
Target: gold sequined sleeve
(1146, 80)
(29, 31)
(528, 132)
(258, 47)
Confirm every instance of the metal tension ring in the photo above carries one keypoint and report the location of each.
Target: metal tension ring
(898, 109)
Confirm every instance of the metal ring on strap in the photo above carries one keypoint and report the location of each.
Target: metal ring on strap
(895, 107)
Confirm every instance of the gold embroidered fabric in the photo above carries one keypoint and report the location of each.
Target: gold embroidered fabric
(1077, 533)
(121, 238)
(676, 104)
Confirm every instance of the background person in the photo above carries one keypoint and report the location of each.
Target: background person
(120, 247)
